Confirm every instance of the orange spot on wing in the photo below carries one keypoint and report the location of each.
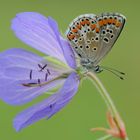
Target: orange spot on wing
(105, 21)
(100, 23)
(93, 26)
(87, 22)
(71, 36)
(79, 26)
(74, 30)
(109, 21)
(97, 30)
(114, 21)
(118, 24)
(83, 23)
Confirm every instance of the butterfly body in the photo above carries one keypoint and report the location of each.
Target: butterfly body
(92, 37)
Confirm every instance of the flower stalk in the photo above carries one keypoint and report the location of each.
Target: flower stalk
(116, 124)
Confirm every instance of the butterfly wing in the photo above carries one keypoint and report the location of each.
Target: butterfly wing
(83, 35)
(93, 36)
(111, 25)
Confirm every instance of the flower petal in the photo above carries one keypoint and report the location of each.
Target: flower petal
(19, 67)
(50, 106)
(68, 53)
(67, 50)
(41, 33)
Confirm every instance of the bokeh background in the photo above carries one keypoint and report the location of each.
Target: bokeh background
(87, 108)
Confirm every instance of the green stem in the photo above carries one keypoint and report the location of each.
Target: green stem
(106, 98)
(103, 93)
(107, 137)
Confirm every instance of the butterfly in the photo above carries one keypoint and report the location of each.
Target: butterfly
(92, 37)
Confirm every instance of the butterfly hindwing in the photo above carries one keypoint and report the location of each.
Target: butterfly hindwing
(109, 33)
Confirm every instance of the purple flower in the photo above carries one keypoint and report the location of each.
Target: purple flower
(25, 75)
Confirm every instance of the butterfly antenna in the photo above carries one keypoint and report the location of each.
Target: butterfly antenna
(114, 71)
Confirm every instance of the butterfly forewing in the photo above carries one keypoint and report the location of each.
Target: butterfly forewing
(93, 36)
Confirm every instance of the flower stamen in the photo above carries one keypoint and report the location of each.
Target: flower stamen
(39, 84)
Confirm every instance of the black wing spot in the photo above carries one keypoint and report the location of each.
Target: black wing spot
(96, 38)
(103, 31)
(79, 55)
(92, 38)
(106, 39)
(107, 30)
(111, 36)
(80, 39)
(87, 47)
(111, 31)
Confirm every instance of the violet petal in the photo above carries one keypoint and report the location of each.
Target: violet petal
(34, 29)
(50, 106)
(20, 67)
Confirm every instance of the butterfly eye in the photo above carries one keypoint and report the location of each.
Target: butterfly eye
(81, 47)
(76, 47)
(76, 40)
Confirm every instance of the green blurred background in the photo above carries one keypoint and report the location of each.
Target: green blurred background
(87, 108)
